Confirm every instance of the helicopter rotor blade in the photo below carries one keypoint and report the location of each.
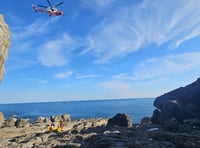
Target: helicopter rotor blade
(42, 6)
(59, 4)
(49, 4)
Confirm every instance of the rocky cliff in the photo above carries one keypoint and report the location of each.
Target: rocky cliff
(181, 104)
(4, 44)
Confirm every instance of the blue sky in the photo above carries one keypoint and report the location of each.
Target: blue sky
(100, 49)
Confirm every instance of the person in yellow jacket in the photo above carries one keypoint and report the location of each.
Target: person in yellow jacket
(51, 128)
(59, 129)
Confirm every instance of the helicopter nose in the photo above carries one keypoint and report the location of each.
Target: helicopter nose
(60, 13)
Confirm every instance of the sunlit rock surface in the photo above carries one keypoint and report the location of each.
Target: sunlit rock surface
(4, 44)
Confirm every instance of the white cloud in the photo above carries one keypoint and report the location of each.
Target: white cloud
(56, 52)
(14, 18)
(24, 37)
(43, 81)
(163, 67)
(96, 4)
(63, 75)
(87, 76)
(114, 85)
(37, 28)
(140, 25)
(19, 63)
(123, 76)
(116, 89)
(112, 41)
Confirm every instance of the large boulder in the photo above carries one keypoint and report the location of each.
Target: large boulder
(66, 117)
(193, 110)
(172, 109)
(58, 118)
(4, 44)
(171, 124)
(1, 118)
(120, 120)
(10, 122)
(43, 119)
(20, 123)
(145, 121)
(156, 117)
(181, 103)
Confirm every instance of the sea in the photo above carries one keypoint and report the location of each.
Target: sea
(135, 108)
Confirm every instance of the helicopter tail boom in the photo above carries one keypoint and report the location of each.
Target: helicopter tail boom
(34, 8)
(37, 9)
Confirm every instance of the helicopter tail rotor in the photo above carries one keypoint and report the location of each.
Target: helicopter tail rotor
(34, 7)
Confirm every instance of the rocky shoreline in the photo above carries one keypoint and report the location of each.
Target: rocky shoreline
(174, 124)
(115, 132)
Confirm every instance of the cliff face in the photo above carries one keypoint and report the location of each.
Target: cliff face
(182, 103)
(189, 94)
(4, 44)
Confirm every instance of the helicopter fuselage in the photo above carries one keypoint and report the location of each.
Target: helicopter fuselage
(51, 10)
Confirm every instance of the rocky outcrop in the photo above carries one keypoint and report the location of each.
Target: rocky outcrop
(94, 133)
(10, 122)
(187, 95)
(182, 103)
(43, 120)
(65, 118)
(20, 123)
(120, 120)
(145, 121)
(1, 118)
(4, 44)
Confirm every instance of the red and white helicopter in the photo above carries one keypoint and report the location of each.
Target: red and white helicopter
(50, 10)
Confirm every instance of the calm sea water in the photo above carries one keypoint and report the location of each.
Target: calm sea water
(136, 108)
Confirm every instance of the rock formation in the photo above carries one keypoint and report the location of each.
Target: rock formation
(182, 103)
(95, 133)
(120, 120)
(1, 118)
(4, 44)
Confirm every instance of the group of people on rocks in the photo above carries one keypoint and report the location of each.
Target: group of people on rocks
(51, 127)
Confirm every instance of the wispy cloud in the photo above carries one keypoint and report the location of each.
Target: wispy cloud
(63, 75)
(137, 26)
(88, 76)
(163, 67)
(116, 89)
(23, 36)
(96, 4)
(43, 81)
(37, 28)
(113, 85)
(18, 63)
(111, 41)
(14, 19)
(56, 52)
(24, 41)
